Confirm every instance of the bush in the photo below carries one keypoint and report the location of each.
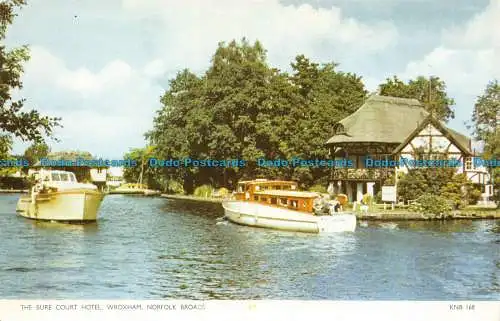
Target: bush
(474, 196)
(378, 197)
(222, 192)
(173, 187)
(318, 188)
(367, 199)
(431, 204)
(203, 191)
(424, 180)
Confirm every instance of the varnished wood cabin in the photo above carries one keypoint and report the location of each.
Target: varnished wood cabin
(277, 193)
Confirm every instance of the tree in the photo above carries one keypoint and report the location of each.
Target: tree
(431, 93)
(35, 152)
(485, 124)
(31, 125)
(144, 172)
(243, 109)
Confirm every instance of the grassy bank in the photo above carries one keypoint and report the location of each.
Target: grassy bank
(384, 215)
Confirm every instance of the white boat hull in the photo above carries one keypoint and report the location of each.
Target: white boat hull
(258, 215)
(68, 206)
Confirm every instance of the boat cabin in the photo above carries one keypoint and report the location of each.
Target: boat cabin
(55, 176)
(283, 194)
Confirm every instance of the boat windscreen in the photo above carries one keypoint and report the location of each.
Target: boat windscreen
(64, 177)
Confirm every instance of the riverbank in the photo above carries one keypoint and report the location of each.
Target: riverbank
(192, 198)
(13, 191)
(384, 215)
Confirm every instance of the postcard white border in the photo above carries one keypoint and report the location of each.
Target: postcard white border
(16, 310)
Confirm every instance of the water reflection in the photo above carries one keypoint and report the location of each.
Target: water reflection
(87, 228)
(453, 226)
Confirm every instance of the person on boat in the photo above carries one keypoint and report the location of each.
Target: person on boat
(321, 205)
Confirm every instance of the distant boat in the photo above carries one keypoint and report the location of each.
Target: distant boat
(278, 205)
(136, 188)
(151, 192)
(58, 196)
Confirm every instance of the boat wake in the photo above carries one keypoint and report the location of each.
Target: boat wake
(390, 226)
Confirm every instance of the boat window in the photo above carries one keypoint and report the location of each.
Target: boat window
(284, 201)
(273, 200)
(55, 177)
(64, 177)
(255, 198)
(72, 177)
(263, 199)
(294, 203)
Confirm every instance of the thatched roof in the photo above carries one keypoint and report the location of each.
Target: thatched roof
(381, 119)
(389, 120)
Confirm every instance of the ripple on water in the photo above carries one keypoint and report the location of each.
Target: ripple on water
(153, 248)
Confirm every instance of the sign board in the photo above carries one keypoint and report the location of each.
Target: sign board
(389, 194)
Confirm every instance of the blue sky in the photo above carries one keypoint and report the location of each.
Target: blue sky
(102, 65)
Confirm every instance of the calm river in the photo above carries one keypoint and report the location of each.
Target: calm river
(154, 248)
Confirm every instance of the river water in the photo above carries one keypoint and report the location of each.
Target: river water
(154, 248)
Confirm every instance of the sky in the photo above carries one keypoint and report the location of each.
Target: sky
(102, 65)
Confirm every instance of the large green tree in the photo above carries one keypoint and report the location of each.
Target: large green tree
(242, 108)
(486, 127)
(26, 125)
(431, 92)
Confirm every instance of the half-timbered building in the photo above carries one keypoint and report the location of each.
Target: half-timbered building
(392, 129)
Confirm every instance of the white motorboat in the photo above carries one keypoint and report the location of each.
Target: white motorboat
(58, 196)
(278, 205)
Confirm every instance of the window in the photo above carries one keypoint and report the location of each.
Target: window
(64, 177)
(283, 201)
(273, 200)
(490, 188)
(468, 164)
(263, 199)
(55, 177)
(255, 198)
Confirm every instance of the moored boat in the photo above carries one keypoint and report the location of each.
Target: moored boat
(279, 205)
(58, 196)
(151, 192)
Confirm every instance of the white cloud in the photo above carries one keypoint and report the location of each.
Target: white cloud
(155, 68)
(469, 55)
(104, 112)
(192, 29)
(44, 67)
